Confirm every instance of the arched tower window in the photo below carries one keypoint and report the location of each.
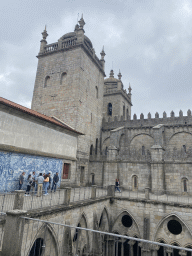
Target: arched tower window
(106, 149)
(109, 109)
(63, 78)
(184, 148)
(135, 182)
(47, 81)
(96, 91)
(124, 111)
(96, 146)
(143, 150)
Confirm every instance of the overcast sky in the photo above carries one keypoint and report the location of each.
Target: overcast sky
(149, 41)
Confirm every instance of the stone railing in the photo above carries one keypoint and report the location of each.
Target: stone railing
(68, 43)
(51, 47)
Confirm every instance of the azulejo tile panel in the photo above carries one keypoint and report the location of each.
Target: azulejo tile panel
(13, 164)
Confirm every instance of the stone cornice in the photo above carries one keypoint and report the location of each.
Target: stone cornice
(69, 48)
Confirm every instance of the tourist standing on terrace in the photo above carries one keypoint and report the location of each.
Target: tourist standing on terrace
(55, 181)
(21, 179)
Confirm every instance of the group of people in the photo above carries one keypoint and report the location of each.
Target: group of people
(39, 184)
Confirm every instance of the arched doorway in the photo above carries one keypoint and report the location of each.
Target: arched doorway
(37, 247)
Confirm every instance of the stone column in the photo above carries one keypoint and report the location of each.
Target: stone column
(93, 191)
(67, 195)
(157, 169)
(13, 233)
(131, 243)
(147, 193)
(154, 249)
(111, 190)
(169, 251)
(19, 199)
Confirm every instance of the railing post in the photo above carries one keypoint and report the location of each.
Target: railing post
(147, 193)
(13, 233)
(19, 199)
(93, 191)
(111, 190)
(67, 195)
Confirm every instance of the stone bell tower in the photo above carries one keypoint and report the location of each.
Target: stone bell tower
(69, 86)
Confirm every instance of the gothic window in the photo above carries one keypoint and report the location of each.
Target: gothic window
(91, 150)
(184, 148)
(47, 81)
(135, 182)
(63, 78)
(127, 114)
(185, 181)
(124, 111)
(109, 109)
(96, 146)
(143, 150)
(96, 89)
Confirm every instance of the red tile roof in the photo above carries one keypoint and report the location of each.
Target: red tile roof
(37, 114)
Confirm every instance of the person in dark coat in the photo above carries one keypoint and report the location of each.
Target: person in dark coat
(55, 181)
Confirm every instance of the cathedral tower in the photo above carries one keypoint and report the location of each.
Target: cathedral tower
(69, 86)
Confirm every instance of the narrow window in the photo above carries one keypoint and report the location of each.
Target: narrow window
(96, 89)
(96, 145)
(184, 148)
(47, 81)
(106, 151)
(124, 111)
(109, 109)
(91, 150)
(63, 78)
(185, 185)
(143, 150)
(92, 178)
(66, 171)
(127, 114)
(135, 182)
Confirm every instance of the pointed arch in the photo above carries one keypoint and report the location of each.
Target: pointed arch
(103, 220)
(135, 222)
(164, 219)
(47, 233)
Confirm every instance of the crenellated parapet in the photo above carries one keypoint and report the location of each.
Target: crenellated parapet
(118, 121)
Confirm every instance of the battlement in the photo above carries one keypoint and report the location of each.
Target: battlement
(119, 121)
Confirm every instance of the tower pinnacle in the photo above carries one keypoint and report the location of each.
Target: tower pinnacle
(44, 34)
(111, 73)
(81, 22)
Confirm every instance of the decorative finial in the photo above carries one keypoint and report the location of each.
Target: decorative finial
(119, 75)
(111, 73)
(81, 22)
(130, 89)
(44, 34)
(102, 53)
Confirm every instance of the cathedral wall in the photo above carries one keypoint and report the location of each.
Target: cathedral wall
(174, 175)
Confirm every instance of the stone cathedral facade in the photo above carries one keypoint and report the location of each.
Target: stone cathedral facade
(149, 156)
